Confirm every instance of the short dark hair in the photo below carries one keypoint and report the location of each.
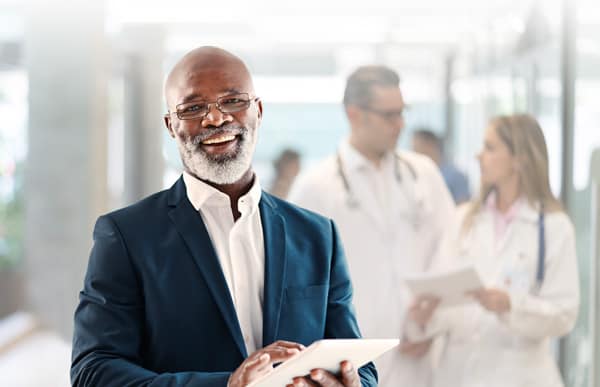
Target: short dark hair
(429, 136)
(359, 83)
(286, 156)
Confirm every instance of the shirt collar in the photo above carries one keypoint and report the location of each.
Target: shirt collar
(520, 209)
(201, 194)
(354, 160)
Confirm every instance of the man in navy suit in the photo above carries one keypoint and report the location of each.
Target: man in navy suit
(213, 281)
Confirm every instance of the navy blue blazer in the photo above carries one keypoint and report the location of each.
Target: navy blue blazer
(155, 309)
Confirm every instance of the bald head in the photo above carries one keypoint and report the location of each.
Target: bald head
(213, 115)
(202, 65)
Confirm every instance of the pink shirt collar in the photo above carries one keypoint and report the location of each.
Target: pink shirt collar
(502, 220)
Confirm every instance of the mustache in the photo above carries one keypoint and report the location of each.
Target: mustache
(233, 130)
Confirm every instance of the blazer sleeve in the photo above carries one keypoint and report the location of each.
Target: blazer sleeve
(341, 321)
(109, 323)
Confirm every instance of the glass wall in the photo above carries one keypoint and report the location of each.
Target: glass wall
(527, 77)
(582, 350)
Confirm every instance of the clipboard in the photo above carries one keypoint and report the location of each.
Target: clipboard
(326, 354)
(449, 286)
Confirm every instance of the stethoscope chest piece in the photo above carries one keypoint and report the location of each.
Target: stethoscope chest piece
(352, 202)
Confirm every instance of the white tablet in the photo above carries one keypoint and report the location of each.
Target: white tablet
(326, 354)
(450, 286)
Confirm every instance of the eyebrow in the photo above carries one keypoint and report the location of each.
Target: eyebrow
(199, 96)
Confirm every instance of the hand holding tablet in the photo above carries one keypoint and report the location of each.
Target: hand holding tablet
(261, 362)
(324, 358)
(451, 287)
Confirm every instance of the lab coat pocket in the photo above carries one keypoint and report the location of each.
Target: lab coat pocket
(517, 275)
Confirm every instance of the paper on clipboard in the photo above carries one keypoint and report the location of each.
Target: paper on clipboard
(326, 354)
(450, 286)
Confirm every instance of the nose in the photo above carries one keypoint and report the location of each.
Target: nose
(397, 122)
(400, 121)
(215, 117)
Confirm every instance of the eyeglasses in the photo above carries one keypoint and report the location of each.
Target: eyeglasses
(198, 109)
(388, 115)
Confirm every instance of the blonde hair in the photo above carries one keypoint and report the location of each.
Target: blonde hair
(524, 138)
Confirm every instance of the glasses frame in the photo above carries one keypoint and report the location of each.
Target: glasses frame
(217, 105)
(386, 115)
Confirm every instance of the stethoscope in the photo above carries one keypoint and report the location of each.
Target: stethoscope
(541, 256)
(417, 204)
(541, 263)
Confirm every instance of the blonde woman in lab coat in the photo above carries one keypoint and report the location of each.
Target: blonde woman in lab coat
(523, 244)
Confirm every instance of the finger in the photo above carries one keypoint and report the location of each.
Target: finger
(259, 365)
(287, 344)
(259, 361)
(302, 381)
(415, 352)
(349, 374)
(426, 297)
(429, 304)
(280, 354)
(407, 347)
(277, 349)
(423, 302)
(484, 301)
(324, 378)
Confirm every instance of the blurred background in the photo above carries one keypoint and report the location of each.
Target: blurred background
(81, 130)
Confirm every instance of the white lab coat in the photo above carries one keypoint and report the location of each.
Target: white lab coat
(381, 241)
(512, 350)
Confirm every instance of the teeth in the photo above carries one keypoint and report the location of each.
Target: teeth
(217, 140)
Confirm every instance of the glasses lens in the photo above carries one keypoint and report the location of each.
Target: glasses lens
(227, 104)
(234, 102)
(390, 115)
(190, 110)
(394, 115)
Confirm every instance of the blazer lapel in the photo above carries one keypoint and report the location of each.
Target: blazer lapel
(190, 226)
(273, 226)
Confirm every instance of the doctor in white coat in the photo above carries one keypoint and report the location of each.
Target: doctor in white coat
(523, 244)
(391, 208)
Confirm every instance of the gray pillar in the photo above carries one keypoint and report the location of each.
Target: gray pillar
(568, 73)
(449, 107)
(144, 109)
(594, 305)
(65, 183)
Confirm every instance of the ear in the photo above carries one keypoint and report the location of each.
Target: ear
(259, 109)
(354, 113)
(167, 120)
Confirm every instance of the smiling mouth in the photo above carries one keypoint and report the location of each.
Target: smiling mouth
(219, 140)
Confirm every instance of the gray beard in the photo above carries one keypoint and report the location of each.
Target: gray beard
(226, 169)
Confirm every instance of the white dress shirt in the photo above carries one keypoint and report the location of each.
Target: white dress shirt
(240, 248)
